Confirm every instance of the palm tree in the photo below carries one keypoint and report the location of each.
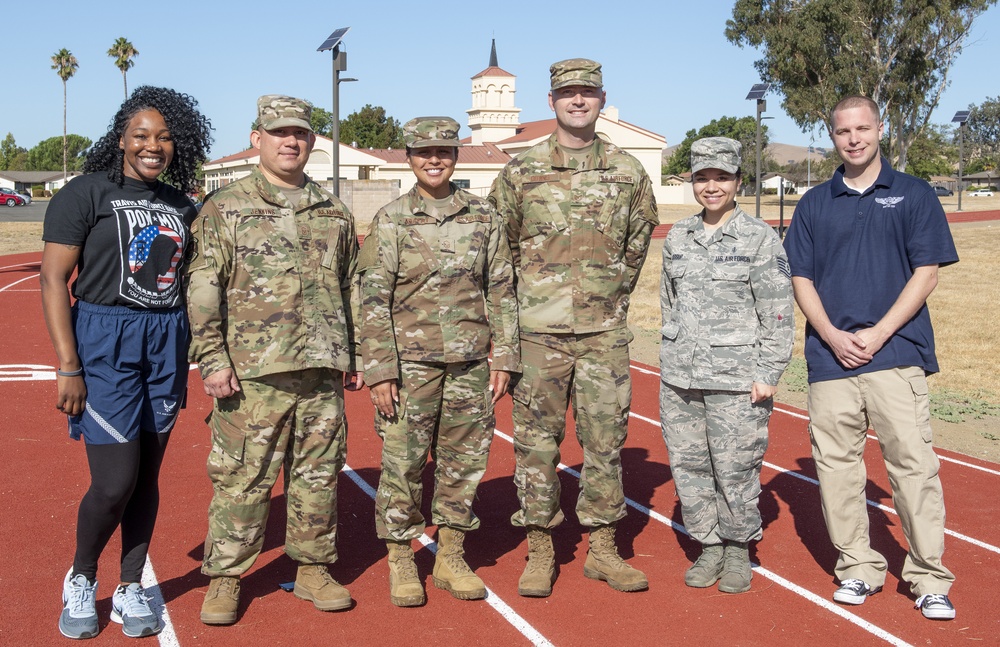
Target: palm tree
(123, 52)
(65, 65)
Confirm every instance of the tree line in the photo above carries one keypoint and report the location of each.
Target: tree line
(813, 52)
(898, 52)
(933, 152)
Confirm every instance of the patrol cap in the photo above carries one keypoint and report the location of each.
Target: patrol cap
(422, 132)
(277, 111)
(576, 71)
(716, 152)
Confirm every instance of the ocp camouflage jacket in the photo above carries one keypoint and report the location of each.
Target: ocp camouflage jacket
(436, 288)
(578, 235)
(269, 283)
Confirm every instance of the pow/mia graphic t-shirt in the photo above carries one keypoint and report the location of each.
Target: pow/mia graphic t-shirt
(132, 239)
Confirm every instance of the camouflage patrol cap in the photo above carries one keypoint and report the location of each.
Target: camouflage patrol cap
(277, 110)
(576, 71)
(716, 152)
(422, 132)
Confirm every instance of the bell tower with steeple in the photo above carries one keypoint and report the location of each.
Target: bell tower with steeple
(493, 116)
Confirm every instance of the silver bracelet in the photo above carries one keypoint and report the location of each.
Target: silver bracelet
(63, 373)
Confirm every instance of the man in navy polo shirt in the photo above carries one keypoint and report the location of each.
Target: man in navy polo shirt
(864, 250)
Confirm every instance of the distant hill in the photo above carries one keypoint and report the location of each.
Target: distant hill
(780, 152)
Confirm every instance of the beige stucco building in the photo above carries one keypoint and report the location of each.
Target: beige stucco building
(496, 136)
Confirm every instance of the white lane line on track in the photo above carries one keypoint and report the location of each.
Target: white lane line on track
(167, 637)
(25, 265)
(801, 416)
(492, 598)
(874, 504)
(888, 510)
(874, 630)
(27, 278)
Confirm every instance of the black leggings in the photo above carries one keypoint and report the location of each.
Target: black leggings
(123, 491)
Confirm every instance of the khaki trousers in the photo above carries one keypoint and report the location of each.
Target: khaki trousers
(895, 403)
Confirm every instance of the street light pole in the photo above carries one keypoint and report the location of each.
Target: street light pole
(961, 155)
(757, 92)
(960, 117)
(809, 159)
(332, 43)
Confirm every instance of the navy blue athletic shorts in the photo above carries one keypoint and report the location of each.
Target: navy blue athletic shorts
(135, 368)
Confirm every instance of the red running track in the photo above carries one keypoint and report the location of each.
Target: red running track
(660, 231)
(788, 605)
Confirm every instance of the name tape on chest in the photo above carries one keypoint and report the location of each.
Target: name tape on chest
(546, 177)
(617, 179)
(418, 220)
(472, 217)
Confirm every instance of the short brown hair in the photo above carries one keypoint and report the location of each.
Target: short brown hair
(856, 101)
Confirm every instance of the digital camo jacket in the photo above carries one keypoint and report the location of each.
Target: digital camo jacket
(269, 283)
(578, 235)
(726, 301)
(436, 288)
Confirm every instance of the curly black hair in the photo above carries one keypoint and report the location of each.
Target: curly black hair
(190, 130)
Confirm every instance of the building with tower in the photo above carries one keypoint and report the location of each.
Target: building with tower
(496, 135)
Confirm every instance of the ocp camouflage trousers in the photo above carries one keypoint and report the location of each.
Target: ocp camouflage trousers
(447, 410)
(591, 372)
(716, 441)
(300, 413)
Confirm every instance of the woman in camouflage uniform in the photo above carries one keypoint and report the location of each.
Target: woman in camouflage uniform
(726, 299)
(436, 287)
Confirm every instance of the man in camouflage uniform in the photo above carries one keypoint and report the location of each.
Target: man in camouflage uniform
(726, 299)
(269, 302)
(437, 285)
(579, 212)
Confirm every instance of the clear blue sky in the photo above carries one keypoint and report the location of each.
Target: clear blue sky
(667, 65)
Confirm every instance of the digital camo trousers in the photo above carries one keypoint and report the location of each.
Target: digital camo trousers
(716, 441)
(446, 410)
(301, 414)
(591, 372)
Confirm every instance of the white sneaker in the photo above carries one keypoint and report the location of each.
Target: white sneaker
(130, 609)
(854, 591)
(936, 606)
(78, 619)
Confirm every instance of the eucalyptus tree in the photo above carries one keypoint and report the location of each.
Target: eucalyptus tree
(898, 52)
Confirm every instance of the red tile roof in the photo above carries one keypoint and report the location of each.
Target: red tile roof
(492, 71)
(532, 130)
(235, 157)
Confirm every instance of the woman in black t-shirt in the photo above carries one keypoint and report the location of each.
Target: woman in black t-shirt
(122, 346)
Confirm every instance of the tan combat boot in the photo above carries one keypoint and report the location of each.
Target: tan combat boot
(604, 563)
(707, 569)
(221, 601)
(736, 571)
(404, 582)
(451, 573)
(314, 583)
(540, 571)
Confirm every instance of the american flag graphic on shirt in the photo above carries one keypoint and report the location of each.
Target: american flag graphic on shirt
(138, 253)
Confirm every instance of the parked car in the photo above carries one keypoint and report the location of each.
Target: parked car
(980, 193)
(12, 198)
(943, 190)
